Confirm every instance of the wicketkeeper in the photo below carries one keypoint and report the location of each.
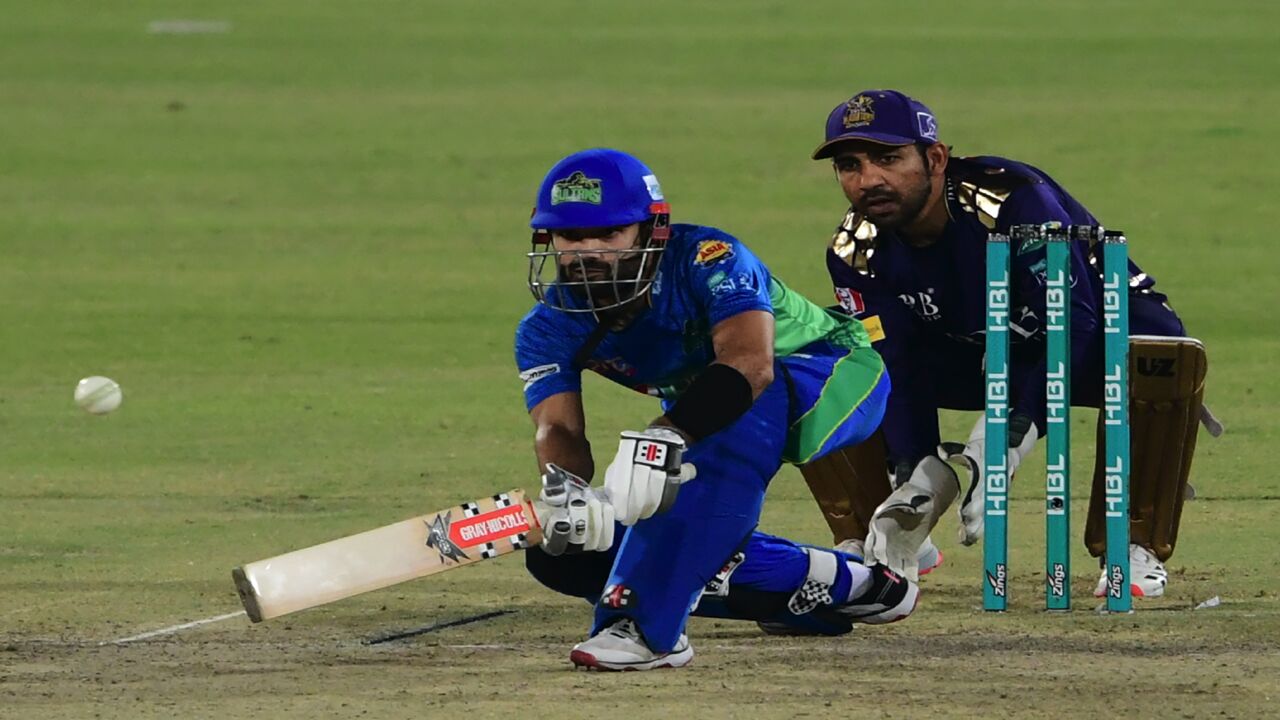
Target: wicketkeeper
(908, 259)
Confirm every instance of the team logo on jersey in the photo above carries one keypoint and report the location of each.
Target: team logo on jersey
(712, 251)
(577, 188)
(858, 112)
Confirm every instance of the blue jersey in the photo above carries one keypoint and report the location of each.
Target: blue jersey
(705, 276)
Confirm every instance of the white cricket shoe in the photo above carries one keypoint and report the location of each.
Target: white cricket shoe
(620, 647)
(928, 557)
(890, 598)
(1147, 576)
(853, 546)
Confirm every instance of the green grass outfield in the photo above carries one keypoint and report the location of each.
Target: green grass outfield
(298, 247)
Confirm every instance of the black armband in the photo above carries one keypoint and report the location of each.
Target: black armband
(716, 398)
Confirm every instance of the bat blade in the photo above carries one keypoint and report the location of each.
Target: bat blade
(414, 548)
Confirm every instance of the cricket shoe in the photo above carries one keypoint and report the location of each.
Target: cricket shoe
(620, 647)
(854, 547)
(890, 598)
(928, 558)
(1147, 576)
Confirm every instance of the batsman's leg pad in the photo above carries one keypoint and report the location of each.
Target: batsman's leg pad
(849, 484)
(1166, 394)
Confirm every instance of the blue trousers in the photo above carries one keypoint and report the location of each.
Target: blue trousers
(656, 574)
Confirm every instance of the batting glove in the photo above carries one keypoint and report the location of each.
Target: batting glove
(574, 517)
(647, 473)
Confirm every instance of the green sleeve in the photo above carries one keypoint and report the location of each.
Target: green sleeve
(799, 322)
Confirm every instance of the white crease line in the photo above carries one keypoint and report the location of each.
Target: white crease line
(172, 629)
(188, 27)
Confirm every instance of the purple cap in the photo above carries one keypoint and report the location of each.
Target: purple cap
(887, 117)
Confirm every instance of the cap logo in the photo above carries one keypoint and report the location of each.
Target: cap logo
(576, 188)
(858, 112)
(928, 126)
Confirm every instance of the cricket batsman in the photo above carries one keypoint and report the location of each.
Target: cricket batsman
(908, 259)
(749, 375)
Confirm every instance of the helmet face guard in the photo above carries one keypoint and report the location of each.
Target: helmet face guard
(589, 281)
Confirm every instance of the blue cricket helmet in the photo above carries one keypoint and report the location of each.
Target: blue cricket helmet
(596, 188)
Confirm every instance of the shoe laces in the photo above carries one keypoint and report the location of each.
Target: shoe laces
(625, 629)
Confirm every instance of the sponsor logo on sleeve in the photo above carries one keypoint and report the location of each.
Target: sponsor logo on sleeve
(850, 300)
(874, 328)
(712, 251)
(534, 374)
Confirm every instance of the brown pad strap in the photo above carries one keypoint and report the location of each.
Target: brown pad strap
(849, 484)
(1166, 392)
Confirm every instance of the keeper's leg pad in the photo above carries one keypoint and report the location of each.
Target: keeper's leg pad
(849, 484)
(1166, 393)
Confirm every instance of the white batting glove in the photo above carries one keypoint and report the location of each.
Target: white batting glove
(574, 517)
(646, 474)
(970, 457)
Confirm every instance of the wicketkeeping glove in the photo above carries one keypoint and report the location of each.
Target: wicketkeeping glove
(903, 521)
(574, 517)
(1022, 438)
(647, 473)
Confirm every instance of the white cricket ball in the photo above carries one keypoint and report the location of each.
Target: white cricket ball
(98, 395)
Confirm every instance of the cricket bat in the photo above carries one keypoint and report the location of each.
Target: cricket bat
(424, 545)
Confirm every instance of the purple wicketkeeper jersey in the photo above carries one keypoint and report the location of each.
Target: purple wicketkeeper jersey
(923, 300)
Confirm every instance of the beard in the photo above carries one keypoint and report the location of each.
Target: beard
(609, 283)
(891, 210)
